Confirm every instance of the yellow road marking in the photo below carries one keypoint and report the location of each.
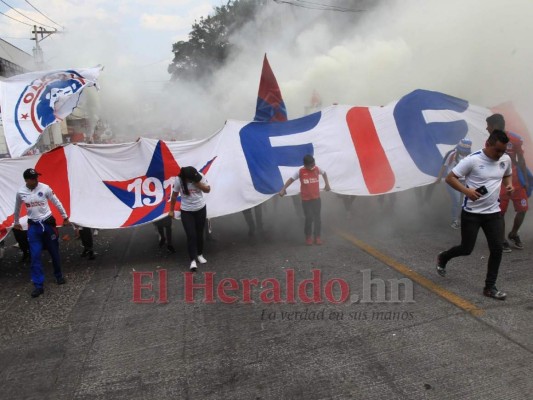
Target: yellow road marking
(414, 276)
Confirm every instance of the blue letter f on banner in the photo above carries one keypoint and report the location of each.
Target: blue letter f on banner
(264, 160)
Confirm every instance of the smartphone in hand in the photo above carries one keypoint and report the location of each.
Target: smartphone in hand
(482, 190)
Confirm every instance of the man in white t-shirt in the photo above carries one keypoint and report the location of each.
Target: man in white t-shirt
(42, 229)
(483, 172)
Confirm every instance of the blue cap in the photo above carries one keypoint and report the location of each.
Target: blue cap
(464, 146)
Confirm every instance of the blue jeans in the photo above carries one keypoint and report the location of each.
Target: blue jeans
(457, 199)
(492, 226)
(41, 235)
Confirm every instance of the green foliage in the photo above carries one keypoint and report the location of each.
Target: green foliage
(209, 41)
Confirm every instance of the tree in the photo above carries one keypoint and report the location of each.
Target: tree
(209, 41)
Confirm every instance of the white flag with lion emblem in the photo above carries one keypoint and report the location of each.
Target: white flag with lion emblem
(33, 101)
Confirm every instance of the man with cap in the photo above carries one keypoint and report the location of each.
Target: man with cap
(42, 230)
(451, 159)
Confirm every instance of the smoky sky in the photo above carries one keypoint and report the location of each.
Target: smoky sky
(478, 50)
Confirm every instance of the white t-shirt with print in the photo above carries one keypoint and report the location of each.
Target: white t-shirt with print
(36, 201)
(195, 200)
(480, 170)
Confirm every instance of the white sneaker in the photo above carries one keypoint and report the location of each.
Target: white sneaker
(193, 266)
(95, 232)
(201, 259)
(456, 224)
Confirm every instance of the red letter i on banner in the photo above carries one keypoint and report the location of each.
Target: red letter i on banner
(375, 167)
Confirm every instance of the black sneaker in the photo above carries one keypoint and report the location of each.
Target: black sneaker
(37, 292)
(91, 255)
(61, 281)
(494, 293)
(515, 240)
(441, 265)
(171, 249)
(505, 247)
(84, 253)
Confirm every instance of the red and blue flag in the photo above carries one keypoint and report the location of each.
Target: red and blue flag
(270, 106)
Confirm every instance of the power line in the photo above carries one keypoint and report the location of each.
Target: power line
(332, 7)
(14, 37)
(156, 62)
(317, 6)
(48, 18)
(25, 16)
(14, 19)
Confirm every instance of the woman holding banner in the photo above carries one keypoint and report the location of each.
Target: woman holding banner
(191, 185)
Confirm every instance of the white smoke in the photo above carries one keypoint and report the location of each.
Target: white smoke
(478, 50)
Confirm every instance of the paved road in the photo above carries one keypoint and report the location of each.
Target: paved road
(88, 339)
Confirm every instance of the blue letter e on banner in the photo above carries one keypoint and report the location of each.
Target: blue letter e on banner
(421, 138)
(264, 160)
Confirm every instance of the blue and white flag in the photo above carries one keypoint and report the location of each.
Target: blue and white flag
(31, 102)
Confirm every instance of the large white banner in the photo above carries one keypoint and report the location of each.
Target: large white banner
(31, 102)
(364, 150)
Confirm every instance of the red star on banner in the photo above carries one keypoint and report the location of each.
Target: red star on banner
(148, 195)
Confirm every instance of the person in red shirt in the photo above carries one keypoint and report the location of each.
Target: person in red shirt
(519, 196)
(310, 194)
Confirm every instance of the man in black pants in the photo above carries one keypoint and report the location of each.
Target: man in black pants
(310, 195)
(86, 236)
(164, 228)
(21, 236)
(254, 228)
(484, 172)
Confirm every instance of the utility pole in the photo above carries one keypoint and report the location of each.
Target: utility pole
(37, 51)
(39, 61)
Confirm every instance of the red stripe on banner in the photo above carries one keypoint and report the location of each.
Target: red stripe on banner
(53, 169)
(5, 225)
(375, 167)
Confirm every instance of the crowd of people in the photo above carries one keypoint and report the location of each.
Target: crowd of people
(480, 184)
